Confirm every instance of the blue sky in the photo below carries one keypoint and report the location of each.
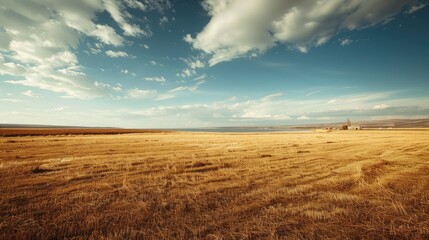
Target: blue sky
(173, 64)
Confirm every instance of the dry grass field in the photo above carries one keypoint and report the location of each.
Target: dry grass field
(337, 185)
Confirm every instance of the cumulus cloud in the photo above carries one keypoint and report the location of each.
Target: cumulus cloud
(116, 54)
(163, 21)
(187, 72)
(38, 40)
(240, 28)
(196, 64)
(193, 64)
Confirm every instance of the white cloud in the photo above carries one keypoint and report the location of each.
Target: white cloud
(145, 46)
(187, 72)
(197, 64)
(11, 68)
(117, 89)
(136, 4)
(38, 40)
(187, 88)
(140, 93)
(165, 96)
(118, 13)
(101, 84)
(271, 97)
(116, 54)
(40, 46)
(312, 93)
(160, 79)
(275, 109)
(193, 64)
(240, 28)
(124, 71)
(30, 93)
(381, 106)
(202, 77)
(163, 20)
(280, 110)
(106, 34)
(416, 8)
(345, 42)
(261, 115)
(172, 93)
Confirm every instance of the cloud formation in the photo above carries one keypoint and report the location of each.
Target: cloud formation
(239, 28)
(116, 54)
(140, 93)
(30, 93)
(160, 79)
(38, 40)
(116, 10)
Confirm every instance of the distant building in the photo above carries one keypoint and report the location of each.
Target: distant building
(354, 127)
(349, 126)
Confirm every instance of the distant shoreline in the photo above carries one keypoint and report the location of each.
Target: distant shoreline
(21, 132)
(16, 132)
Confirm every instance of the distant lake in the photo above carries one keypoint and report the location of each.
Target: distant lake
(239, 129)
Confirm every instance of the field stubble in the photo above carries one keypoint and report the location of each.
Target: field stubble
(342, 185)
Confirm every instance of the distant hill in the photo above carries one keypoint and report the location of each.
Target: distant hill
(7, 125)
(396, 123)
(388, 123)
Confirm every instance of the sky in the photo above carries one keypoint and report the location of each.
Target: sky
(211, 63)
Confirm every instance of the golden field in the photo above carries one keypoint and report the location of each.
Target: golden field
(337, 185)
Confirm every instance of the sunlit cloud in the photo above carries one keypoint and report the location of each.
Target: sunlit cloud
(263, 24)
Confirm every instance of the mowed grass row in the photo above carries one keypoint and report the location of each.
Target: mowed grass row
(363, 184)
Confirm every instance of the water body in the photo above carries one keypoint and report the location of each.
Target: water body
(239, 129)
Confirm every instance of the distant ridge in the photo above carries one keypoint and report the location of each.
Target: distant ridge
(7, 125)
(387, 123)
(396, 123)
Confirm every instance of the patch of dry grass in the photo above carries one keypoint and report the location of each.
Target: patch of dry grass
(342, 185)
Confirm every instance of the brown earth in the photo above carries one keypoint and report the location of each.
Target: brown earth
(15, 132)
(338, 185)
